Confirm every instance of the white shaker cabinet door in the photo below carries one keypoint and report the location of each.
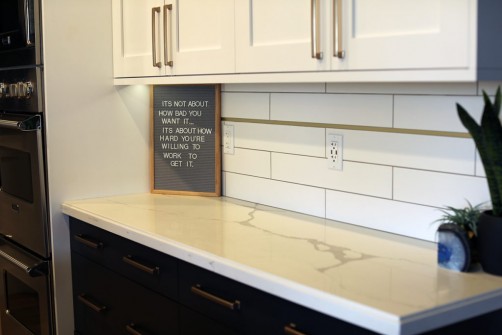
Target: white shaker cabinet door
(203, 37)
(134, 30)
(281, 35)
(405, 34)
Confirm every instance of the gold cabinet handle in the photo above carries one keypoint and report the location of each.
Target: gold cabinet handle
(291, 330)
(197, 289)
(315, 29)
(168, 44)
(89, 302)
(338, 51)
(88, 241)
(151, 270)
(155, 10)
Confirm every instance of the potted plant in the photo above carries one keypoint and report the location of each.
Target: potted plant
(488, 139)
(457, 237)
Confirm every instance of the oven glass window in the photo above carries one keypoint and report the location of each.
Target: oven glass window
(15, 174)
(23, 303)
(8, 16)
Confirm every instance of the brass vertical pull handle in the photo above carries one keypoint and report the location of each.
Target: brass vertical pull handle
(27, 23)
(232, 305)
(88, 301)
(88, 241)
(338, 51)
(291, 330)
(315, 29)
(155, 10)
(168, 44)
(151, 270)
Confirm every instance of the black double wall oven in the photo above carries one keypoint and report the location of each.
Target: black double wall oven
(25, 248)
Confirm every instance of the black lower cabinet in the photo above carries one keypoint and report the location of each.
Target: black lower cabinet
(193, 323)
(122, 287)
(107, 303)
(251, 311)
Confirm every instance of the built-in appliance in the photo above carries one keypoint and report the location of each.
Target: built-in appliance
(26, 305)
(20, 35)
(25, 252)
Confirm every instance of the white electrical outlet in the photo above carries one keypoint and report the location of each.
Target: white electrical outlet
(334, 151)
(228, 139)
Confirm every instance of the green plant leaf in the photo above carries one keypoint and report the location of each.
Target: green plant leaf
(488, 139)
(492, 150)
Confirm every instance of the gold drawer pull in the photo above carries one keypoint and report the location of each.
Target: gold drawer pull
(88, 241)
(197, 289)
(152, 270)
(291, 330)
(131, 329)
(95, 306)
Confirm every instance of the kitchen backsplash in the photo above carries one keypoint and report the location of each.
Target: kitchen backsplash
(405, 153)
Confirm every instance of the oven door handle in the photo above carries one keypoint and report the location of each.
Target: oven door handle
(32, 123)
(32, 266)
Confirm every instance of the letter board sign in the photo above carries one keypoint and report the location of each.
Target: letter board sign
(186, 139)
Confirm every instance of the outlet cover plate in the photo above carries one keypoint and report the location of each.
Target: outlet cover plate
(228, 139)
(334, 151)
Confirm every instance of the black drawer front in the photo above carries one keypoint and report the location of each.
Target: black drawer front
(305, 321)
(193, 323)
(151, 268)
(107, 303)
(228, 302)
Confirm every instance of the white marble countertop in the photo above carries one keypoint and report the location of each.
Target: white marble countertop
(382, 282)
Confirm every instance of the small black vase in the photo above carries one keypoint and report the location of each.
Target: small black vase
(490, 243)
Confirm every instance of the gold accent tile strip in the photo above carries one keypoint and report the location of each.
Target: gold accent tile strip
(352, 127)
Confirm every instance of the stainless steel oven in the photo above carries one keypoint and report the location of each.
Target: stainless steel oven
(24, 299)
(23, 214)
(20, 36)
(25, 249)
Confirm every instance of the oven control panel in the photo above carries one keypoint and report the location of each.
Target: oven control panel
(19, 90)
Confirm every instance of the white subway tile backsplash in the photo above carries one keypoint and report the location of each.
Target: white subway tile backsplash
(294, 197)
(437, 153)
(350, 109)
(391, 181)
(250, 162)
(437, 113)
(439, 189)
(279, 138)
(404, 88)
(245, 105)
(381, 214)
(361, 178)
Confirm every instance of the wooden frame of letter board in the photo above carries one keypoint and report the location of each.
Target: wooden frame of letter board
(217, 143)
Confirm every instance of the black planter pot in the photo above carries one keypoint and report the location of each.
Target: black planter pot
(490, 243)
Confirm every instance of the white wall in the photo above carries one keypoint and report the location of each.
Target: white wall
(406, 154)
(97, 134)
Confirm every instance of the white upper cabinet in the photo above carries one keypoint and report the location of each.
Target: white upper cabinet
(402, 34)
(305, 35)
(132, 38)
(280, 35)
(252, 41)
(157, 38)
(203, 38)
